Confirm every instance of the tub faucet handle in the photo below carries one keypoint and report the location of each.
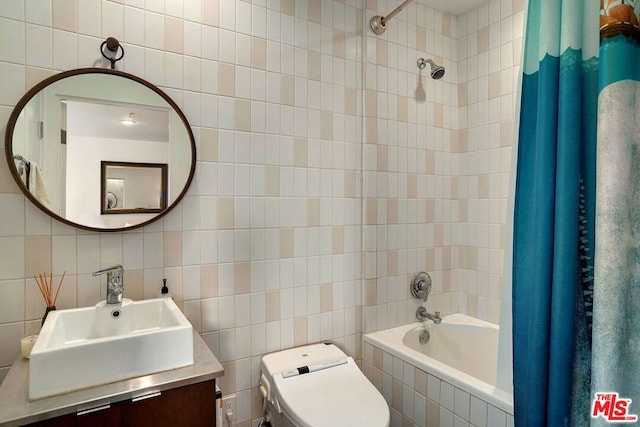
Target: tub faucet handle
(421, 286)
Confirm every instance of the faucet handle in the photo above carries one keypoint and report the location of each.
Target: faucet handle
(421, 286)
(115, 268)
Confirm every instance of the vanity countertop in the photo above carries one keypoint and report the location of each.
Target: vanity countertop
(16, 409)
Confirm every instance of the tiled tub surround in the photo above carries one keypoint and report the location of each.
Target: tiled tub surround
(437, 157)
(425, 391)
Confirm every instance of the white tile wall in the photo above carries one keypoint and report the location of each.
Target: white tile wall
(262, 45)
(454, 141)
(420, 167)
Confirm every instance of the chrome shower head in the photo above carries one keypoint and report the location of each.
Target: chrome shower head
(437, 71)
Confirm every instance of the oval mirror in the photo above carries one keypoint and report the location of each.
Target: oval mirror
(100, 149)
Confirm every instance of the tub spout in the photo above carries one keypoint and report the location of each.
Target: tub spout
(422, 315)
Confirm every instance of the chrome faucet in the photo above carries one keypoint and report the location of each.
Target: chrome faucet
(422, 315)
(115, 283)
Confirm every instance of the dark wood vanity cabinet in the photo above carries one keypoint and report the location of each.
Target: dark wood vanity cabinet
(191, 406)
(103, 417)
(188, 406)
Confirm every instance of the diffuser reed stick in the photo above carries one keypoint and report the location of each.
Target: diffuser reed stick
(55, 298)
(45, 285)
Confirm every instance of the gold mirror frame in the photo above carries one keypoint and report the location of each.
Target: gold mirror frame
(13, 118)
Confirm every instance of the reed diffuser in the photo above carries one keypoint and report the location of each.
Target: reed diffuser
(45, 285)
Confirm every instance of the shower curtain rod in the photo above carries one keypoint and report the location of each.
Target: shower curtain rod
(379, 23)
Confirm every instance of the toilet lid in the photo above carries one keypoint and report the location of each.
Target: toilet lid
(339, 396)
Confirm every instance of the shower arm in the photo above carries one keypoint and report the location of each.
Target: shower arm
(379, 23)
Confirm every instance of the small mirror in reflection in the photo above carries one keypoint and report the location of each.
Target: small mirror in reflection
(129, 188)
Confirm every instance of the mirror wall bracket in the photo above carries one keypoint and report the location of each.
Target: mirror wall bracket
(112, 45)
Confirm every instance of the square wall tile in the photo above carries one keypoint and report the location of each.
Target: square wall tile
(12, 304)
(10, 334)
(37, 12)
(38, 254)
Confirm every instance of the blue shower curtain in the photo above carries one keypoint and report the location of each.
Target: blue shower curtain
(554, 215)
(616, 325)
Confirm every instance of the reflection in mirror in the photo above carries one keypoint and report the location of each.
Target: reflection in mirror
(62, 129)
(132, 187)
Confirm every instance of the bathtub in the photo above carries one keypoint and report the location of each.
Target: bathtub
(460, 359)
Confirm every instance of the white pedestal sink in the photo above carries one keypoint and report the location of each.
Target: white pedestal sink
(85, 347)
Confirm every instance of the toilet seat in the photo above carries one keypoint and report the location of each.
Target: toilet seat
(335, 394)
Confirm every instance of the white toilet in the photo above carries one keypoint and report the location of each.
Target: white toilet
(319, 385)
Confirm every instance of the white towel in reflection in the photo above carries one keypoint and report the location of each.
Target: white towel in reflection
(23, 170)
(37, 186)
(24, 176)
